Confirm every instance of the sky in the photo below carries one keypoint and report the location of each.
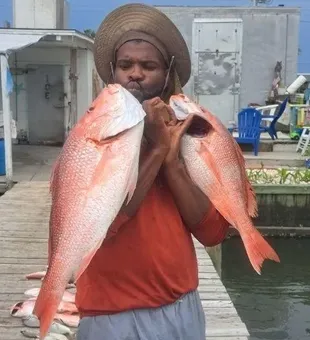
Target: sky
(90, 13)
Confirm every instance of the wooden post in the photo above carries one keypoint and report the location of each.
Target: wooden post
(6, 122)
(215, 254)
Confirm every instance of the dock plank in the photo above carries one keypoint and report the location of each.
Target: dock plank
(23, 242)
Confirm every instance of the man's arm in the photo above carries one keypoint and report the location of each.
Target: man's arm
(212, 230)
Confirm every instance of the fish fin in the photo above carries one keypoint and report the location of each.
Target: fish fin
(250, 193)
(209, 160)
(239, 153)
(45, 309)
(103, 168)
(217, 200)
(86, 261)
(251, 198)
(258, 249)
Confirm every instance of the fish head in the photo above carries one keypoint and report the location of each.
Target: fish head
(115, 110)
(183, 106)
(15, 310)
(22, 308)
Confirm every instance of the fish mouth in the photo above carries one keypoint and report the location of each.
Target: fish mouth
(199, 127)
(16, 308)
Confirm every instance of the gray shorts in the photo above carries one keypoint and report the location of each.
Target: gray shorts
(182, 320)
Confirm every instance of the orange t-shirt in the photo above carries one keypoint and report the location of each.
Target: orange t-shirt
(146, 261)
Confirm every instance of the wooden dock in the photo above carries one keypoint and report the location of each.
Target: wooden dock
(24, 212)
(222, 319)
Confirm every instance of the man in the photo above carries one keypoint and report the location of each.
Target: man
(142, 282)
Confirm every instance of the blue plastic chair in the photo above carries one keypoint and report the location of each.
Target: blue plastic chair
(249, 121)
(271, 129)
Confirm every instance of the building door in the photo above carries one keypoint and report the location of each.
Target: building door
(46, 105)
(217, 46)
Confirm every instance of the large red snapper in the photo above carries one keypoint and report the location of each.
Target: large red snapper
(216, 164)
(95, 172)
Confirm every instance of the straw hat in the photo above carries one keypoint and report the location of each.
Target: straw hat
(143, 18)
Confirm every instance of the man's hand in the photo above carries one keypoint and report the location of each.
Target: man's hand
(156, 131)
(157, 136)
(177, 130)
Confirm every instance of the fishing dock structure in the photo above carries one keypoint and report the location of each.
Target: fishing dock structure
(23, 242)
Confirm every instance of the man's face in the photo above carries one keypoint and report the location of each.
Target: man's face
(140, 68)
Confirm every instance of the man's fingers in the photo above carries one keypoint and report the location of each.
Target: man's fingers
(150, 104)
(173, 118)
(152, 101)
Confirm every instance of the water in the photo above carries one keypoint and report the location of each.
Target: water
(275, 305)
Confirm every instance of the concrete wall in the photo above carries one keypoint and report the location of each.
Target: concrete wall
(269, 35)
(40, 14)
(284, 206)
(28, 103)
(283, 210)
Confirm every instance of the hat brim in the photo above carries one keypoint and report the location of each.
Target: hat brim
(143, 18)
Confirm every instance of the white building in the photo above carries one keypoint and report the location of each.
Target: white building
(234, 53)
(53, 73)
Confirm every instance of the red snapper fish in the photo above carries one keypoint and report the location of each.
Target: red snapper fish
(215, 163)
(25, 308)
(91, 179)
(67, 295)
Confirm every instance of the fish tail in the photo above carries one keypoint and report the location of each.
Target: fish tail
(47, 304)
(258, 249)
(45, 310)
